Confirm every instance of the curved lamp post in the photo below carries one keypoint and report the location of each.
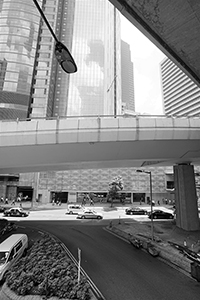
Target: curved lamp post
(62, 54)
(152, 229)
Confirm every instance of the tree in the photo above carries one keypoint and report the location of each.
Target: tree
(115, 186)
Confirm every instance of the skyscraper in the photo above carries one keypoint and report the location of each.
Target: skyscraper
(91, 31)
(181, 96)
(19, 24)
(128, 98)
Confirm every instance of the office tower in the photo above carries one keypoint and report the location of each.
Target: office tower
(91, 31)
(128, 98)
(181, 96)
(19, 24)
(31, 81)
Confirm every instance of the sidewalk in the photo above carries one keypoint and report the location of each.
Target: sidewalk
(47, 206)
(164, 234)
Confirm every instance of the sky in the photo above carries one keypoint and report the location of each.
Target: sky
(146, 58)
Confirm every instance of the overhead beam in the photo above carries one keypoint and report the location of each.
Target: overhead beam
(173, 26)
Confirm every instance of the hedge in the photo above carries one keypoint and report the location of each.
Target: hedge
(46, 270)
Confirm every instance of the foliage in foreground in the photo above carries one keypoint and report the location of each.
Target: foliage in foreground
(47, 270)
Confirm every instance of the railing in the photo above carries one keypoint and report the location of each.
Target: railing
(102, 116)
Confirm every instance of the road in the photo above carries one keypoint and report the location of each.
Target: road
(117, 269)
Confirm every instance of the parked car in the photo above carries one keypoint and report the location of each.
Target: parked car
(136, 211)
(74, 209)
(15, 212)
(160, 214)
(90, 214)
(6, 226)
(2, 209)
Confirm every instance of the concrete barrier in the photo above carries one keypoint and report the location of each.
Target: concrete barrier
(166, 251)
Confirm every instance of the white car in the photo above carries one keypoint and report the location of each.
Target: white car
(90, 214)
(74, 209)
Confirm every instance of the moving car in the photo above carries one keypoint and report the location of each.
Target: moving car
(160, 214)
(74, 209)
(135, 211)
(10, 251)
(90, 214)
(15, 212)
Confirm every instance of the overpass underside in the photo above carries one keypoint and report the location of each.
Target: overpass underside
(173, 26)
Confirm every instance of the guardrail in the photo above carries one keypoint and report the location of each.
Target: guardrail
(137, 116)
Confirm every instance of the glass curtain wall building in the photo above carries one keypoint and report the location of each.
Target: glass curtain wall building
(128, 97)
(19, 25)
(91, 31)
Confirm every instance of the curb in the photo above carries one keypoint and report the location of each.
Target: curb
(7, 294)
(166, 252)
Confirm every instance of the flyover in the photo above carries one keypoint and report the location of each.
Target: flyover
(108, 142)
(98, 142)
(173, 26)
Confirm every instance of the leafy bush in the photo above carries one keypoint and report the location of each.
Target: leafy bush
(46, 270)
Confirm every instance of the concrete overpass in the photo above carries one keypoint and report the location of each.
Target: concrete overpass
(173, 26)
(39, 145)
(107, 142)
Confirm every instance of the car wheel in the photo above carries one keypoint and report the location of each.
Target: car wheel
(82, 217)
(155, 217)
(71, 212)
(171, 217)
(98, 217)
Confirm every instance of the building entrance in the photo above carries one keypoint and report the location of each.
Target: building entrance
(58, 197)
(25, 192)
(139, 197)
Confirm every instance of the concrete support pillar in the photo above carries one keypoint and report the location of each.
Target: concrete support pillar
(187, 216)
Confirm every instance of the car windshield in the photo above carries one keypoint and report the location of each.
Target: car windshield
(3, 257)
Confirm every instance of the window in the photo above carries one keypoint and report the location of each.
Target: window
(11, 255)
(18, 246)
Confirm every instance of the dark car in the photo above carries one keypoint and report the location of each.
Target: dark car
(2, 209)
(160, 214)
(6, 226)
(16, 212)
(136, 211)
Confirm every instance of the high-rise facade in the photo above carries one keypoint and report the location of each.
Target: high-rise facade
(91, 31)
(181, 96)
(127, 78)
(19, 25)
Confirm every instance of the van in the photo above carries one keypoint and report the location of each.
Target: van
(10, 251)
(74, 209)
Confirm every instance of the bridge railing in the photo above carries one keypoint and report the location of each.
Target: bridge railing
(139, 116)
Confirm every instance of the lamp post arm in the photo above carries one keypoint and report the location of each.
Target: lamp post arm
(45, 20)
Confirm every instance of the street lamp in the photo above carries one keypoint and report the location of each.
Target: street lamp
(149, 172)
(62, 54)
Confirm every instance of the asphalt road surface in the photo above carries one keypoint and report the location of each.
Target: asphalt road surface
(118, 270)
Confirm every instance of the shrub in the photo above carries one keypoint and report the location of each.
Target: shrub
(46, 270)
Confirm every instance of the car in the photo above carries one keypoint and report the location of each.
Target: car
(135, 211)
(11, 250)
(2, 209)
(74, 209)
(6, 226)
(15, 212)
(90, 214)
(160, 214)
